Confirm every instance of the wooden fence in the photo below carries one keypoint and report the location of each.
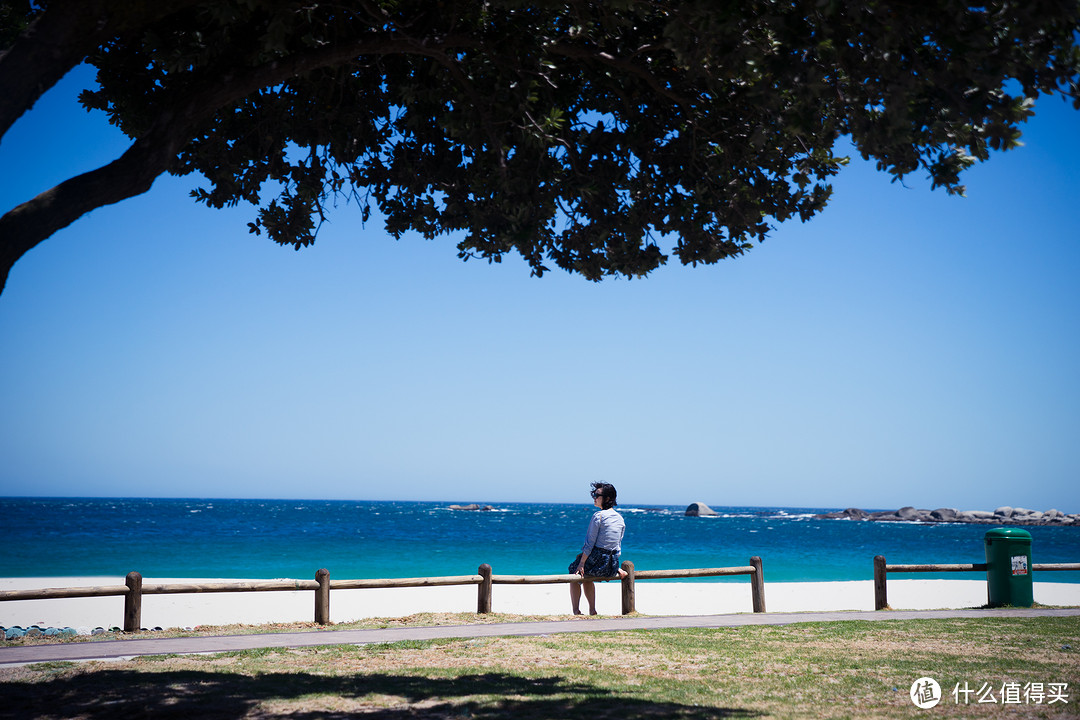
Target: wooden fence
(134, 589)
(882, 569)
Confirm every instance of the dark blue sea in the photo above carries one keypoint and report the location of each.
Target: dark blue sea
(293, 538)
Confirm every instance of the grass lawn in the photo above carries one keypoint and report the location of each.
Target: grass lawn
(806, 670)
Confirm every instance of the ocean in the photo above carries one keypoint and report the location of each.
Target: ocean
(188, 538)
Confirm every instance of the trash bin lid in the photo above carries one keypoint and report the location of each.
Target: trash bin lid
(1010, 533)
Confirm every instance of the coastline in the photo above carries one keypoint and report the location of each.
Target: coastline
(652, 598)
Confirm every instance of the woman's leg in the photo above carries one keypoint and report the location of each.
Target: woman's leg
(590, 595)
(575, 597)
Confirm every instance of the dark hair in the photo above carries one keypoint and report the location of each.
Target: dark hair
(606, 491)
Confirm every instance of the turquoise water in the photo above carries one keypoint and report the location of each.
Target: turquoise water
(294, 538)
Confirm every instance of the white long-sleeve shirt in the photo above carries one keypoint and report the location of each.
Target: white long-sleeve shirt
(606, 529)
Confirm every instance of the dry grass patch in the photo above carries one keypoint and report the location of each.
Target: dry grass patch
(426, 619)
(826, 670)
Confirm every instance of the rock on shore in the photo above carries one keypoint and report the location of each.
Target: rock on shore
(1002, 516)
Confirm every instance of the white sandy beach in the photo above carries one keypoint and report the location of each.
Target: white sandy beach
(653, 598)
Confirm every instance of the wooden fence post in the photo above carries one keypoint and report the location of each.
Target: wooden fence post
(881, 596)
(757, 585)
(322, 597)
(133, 602)
(628, 601)
(483, 594)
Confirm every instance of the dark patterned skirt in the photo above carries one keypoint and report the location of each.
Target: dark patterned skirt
(600, 563)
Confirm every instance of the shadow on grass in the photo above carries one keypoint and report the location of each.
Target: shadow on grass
(187, 694)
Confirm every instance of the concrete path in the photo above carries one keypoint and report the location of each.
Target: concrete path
(116, 649)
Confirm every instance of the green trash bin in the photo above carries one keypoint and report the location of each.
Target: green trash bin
(1008, 567)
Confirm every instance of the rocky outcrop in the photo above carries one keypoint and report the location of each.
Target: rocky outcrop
(472, 506)
(943, 515)
(1004, 515)
(849, 514)
(700, 509)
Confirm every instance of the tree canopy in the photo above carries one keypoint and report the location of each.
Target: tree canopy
(597, 137)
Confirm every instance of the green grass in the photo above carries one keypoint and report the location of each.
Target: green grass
(804, 670)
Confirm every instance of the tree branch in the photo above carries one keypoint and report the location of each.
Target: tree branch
(35, 220)
(28, 224)
(61, 38)
(576, 52)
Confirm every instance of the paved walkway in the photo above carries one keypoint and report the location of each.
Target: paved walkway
(116, 649)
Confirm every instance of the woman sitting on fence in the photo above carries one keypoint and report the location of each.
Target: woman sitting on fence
(599, 556)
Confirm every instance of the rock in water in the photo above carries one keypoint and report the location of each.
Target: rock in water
(696, 509)
(848, 514)
(1003, 515)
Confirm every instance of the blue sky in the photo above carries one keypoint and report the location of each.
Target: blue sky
(904, 347)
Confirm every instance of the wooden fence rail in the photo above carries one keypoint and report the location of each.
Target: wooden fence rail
(882, 569)
(134, 589)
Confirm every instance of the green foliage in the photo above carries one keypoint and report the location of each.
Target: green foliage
(15, 15)
(597, 136)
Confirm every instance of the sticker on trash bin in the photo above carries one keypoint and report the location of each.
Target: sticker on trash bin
(1019, 564)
